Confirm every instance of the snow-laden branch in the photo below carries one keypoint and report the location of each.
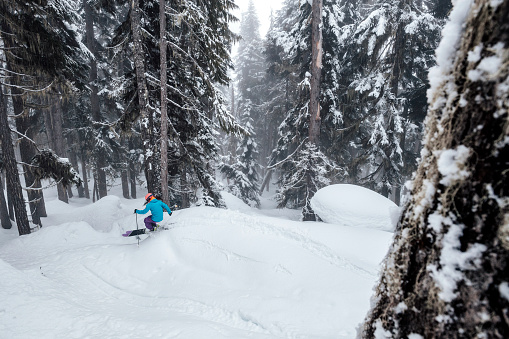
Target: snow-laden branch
(271, 167)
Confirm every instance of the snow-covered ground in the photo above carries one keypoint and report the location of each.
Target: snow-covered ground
(234, 273)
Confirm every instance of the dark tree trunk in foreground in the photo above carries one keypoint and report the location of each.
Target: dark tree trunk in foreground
(447, 273)
(11, 171)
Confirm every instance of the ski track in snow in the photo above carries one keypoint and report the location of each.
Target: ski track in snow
(318, 249)
(165, 307)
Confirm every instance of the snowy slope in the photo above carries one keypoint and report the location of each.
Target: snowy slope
(236, 273)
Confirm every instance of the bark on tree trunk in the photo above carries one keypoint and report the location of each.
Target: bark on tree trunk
(316, 72)
(53, 122)
(124, 172)
(58, 139)
(10, 202)
(11, 171)
(132, 178)
(184, 188)
(73, 157)
(446, 273)
(4, 213)
(132, 172)
(164, 105)
(85, 175)
(314, 100)
(24, 124)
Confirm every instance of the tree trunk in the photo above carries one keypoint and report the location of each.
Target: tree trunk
(147, 121)
(132, 172)
(446, 274)
(94, 190)
(184, 188)
(4, 213)
(100, 164)
(85, 175)
(73, 157)
(164, 104)
(316, 72)
(58, 140)
(10, 202)
(314, 99)
(11, 171)
(124, 175)
(24, 124)
(53, 121)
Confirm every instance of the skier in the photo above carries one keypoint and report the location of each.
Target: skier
(156, 207)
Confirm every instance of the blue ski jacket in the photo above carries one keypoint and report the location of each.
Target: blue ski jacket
(156, 207)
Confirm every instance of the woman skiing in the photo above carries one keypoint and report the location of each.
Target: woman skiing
(156, 207)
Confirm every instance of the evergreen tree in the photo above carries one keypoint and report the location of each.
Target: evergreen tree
(249, 67)
(386, 61)
(292, 53)
(244, 172)
(198, 38)
(38, 54)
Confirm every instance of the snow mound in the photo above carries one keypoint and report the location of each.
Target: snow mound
(102, 216)
(352, 205)
(234, 203)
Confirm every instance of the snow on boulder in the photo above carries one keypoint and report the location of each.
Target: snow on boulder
(352, 205)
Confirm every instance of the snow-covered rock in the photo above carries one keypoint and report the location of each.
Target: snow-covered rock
(352, 205)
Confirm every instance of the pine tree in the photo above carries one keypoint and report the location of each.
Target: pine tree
(387, 59)
(300, 51)
(249, 67)
(198, 40)
(244, 172)
(38, 53)
(446, 273)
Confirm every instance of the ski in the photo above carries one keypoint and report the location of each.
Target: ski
(133, 233)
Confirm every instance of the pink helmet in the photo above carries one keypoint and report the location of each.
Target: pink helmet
(149, 197)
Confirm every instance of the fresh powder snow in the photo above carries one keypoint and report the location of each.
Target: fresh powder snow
(355, 206)
(215, 273)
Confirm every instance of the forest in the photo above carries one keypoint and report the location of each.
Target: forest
(82, 97)
(408, 98)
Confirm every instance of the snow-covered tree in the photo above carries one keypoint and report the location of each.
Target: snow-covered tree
(446, 274)
(243, 174)
(39, 47)
(290, 51)
(303, 174)
(386, 59)
(198, 40)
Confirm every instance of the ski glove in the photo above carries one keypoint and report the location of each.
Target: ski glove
(135, 210)
(171, 213)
